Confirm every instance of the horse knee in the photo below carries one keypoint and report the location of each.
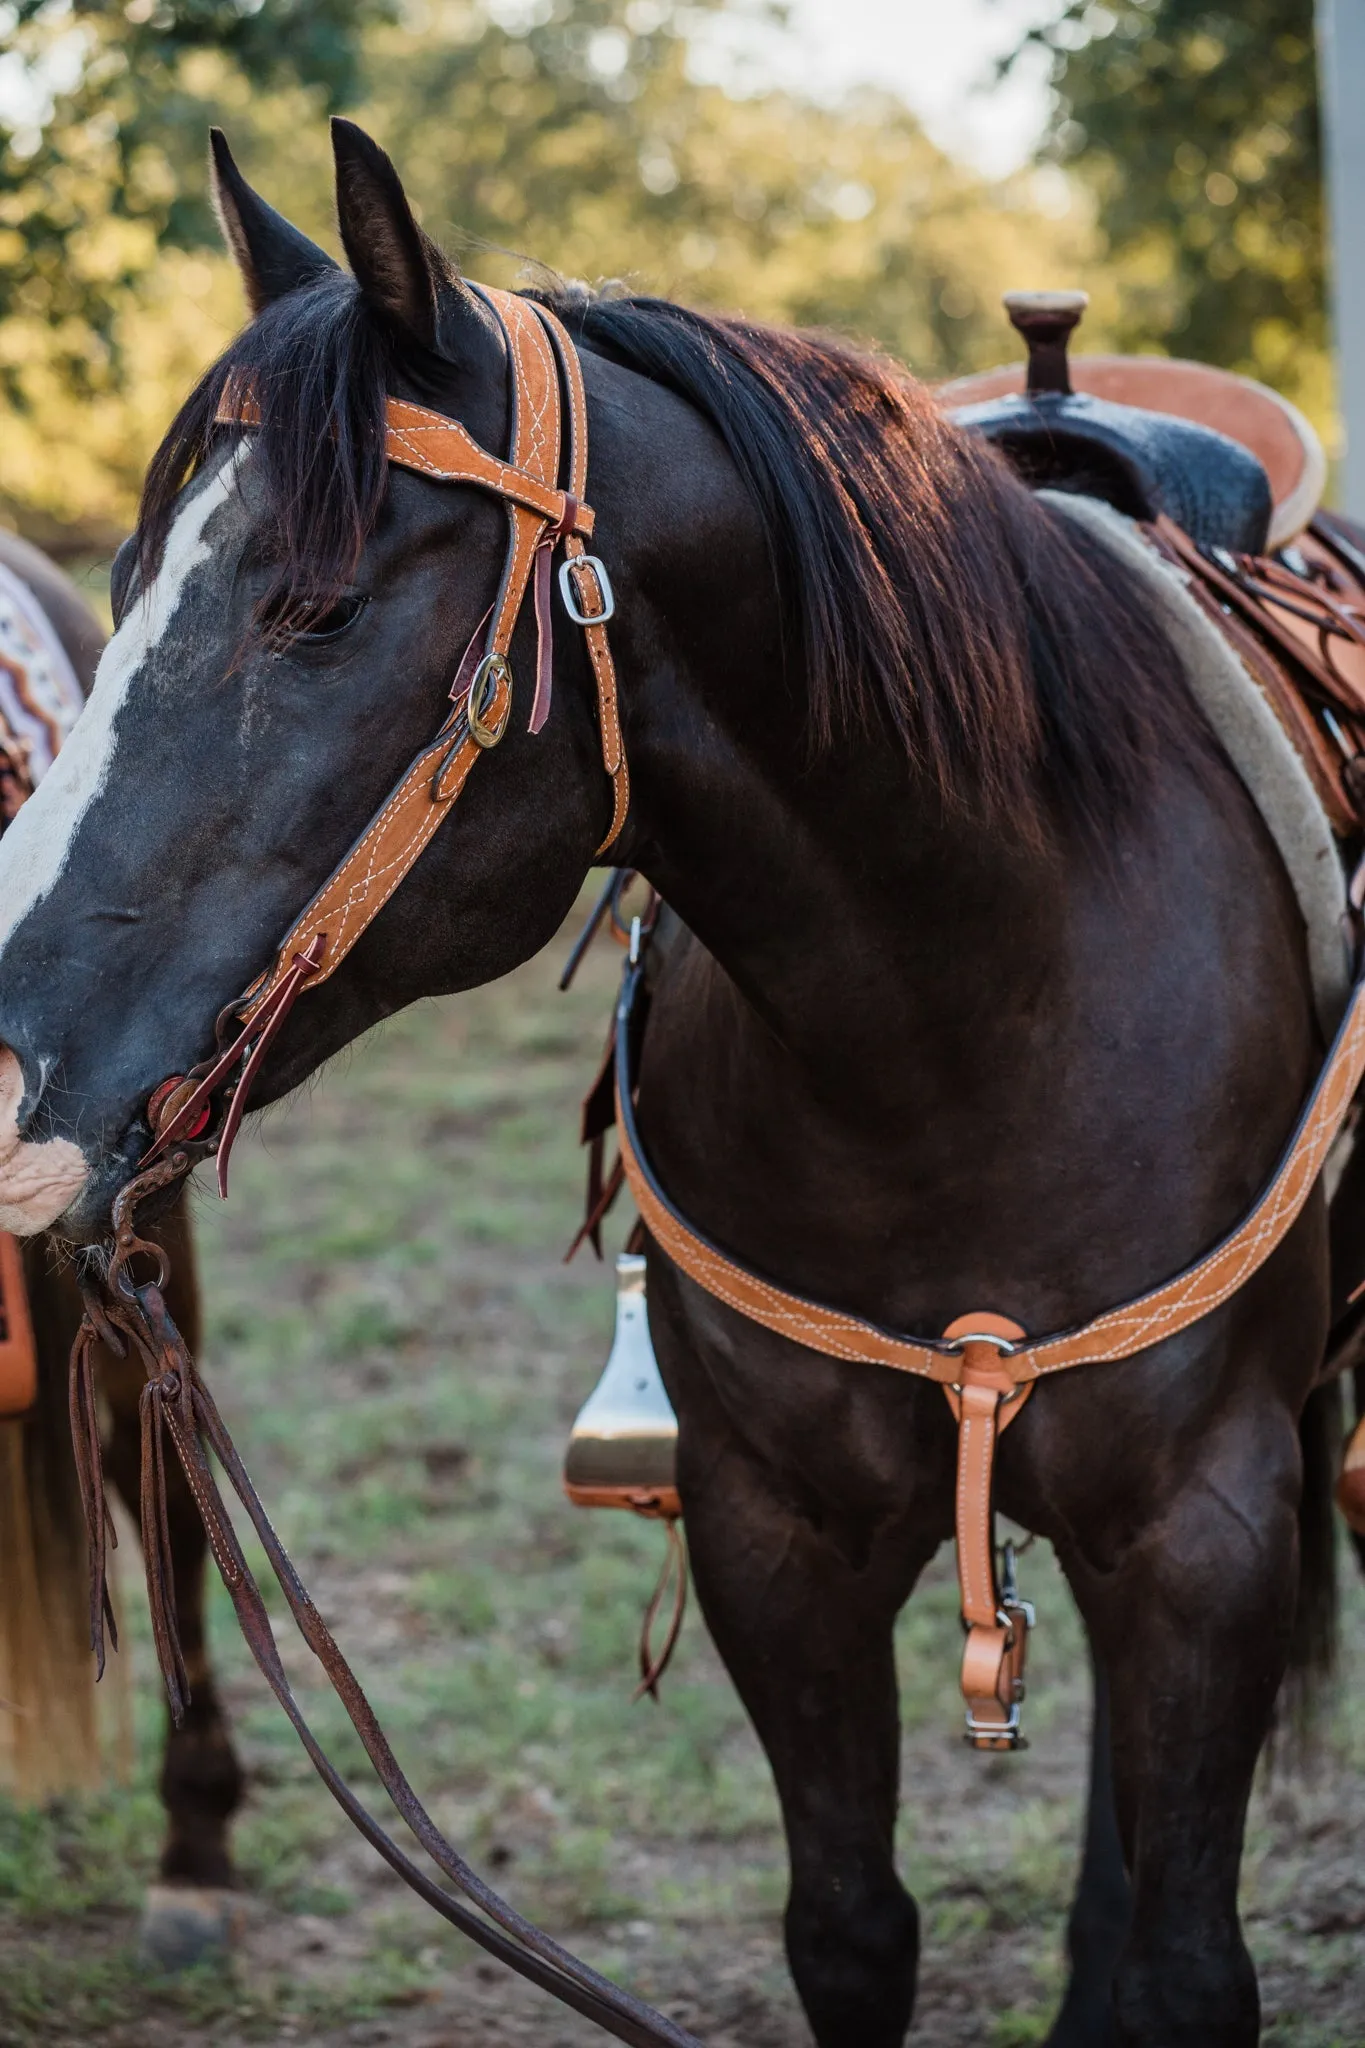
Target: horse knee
(854, 1952)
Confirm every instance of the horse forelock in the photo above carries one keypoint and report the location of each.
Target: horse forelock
(317, 366)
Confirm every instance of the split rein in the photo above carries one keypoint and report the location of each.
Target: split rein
(176, 1403)
(127, 1313)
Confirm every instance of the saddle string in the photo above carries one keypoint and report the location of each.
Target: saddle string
(654, 1663)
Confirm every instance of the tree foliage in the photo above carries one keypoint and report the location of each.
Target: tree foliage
(569, 131)
(1196, 124)
(94, 180)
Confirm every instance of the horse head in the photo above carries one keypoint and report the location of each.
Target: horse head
(289, 617)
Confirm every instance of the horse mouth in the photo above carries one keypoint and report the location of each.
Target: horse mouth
(38, 1179)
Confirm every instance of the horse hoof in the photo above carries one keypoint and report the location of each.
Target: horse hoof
(187, 1924)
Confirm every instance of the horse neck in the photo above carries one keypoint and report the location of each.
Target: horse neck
(850, 904)
(861, 918)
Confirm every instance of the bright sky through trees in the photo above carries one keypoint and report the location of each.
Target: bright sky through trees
(937, 55)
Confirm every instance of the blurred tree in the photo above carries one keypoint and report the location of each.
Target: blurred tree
(1196, 125)
(101, 152)
(105, 134)
(571, 131)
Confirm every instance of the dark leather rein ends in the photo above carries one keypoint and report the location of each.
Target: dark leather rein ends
(176, 1403)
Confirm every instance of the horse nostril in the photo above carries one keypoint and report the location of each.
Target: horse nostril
(11, 1096)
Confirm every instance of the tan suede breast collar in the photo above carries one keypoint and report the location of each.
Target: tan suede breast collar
(986, 1364)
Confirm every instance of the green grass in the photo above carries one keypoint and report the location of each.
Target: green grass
(399, 1351)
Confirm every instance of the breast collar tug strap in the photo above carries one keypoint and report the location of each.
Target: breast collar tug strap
(987, 1365)
(541, 516)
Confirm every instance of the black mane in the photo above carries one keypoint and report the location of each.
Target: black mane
(921, 586)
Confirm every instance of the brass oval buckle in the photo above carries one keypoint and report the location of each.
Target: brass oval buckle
(492, 671)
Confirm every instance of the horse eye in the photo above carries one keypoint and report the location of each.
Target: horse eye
(284, 620)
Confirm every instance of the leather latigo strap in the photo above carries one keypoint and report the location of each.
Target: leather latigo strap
(541, 515)
(987, 1365)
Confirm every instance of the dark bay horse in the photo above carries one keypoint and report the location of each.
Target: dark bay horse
(998, 998)
(44, 1601)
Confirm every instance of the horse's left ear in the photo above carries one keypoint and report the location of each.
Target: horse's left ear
(272, 255)
(400, 270)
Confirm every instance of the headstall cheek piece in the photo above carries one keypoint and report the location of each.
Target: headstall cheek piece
(131, 1312)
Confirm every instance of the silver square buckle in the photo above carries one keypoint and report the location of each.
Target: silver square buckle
(569, 593)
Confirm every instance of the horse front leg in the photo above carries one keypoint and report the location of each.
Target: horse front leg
(1193, 1627)
(1097, 1927)
(802, 1608)
(201, 1779)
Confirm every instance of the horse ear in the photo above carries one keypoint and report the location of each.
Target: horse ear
(400, 270)
(273, 257)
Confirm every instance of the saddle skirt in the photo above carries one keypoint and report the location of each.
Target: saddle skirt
(1253, 706)
(40, 701)
(40, 697)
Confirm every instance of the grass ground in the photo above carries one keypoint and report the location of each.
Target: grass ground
(399, 1351)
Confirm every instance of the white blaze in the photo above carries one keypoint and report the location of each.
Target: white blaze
(34, 849)
(39, 1181)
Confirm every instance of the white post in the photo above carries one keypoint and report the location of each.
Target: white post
(1341, 68)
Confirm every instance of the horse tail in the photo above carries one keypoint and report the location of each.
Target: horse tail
(49, 1733)
(1313, 1644)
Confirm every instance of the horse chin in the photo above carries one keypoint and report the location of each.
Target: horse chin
(39, 1179)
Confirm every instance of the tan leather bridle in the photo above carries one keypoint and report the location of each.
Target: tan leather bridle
(542, 515)
(175, 1400)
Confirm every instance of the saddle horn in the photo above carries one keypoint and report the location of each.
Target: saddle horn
(1047, 321)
